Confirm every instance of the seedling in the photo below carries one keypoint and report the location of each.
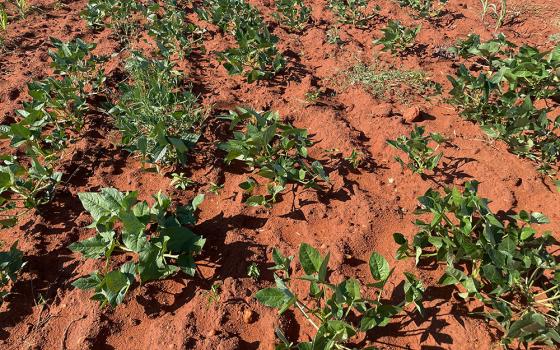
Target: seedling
(500, 261)
(276, 151)
(214, 294)
(499, 12)
(11, 263)
(312, 96)
(355, 158)
(180, 181)
(338, 312)
(292, 14)
(253, 271)
(154, 235)
(215, 188)
(22, 7)
(421, 156)
(157, 115)
(3, 19)
(398, 38)
(333, 36)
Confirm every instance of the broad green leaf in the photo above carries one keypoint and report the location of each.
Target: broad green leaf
(379, 267)
(310, 259)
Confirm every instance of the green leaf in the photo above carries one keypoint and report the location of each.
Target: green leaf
(94, 247)
(89, 282)
(310, 259)
(379, 267)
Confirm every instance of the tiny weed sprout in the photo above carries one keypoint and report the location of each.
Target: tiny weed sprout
(499, 11)
(338, 312)
(353, 12)
(3, 19)
(293, 14)
(22, 7)
(155, 235)
(421, 156)
(272, 150)
(500, 261)
(214, 293)
(398, 38)
(215, 188)
(253, 271)
(11, 263)
(157, 115)
(504, 95)
(390, 83)
(355, 158)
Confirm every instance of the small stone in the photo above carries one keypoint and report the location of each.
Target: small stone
(211, 333)
(411, 114)
(383, 110)
(248, 316)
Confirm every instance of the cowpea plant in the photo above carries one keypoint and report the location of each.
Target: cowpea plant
(156, 236)
(337, 311)
(256, 56)
(230, 15)
(11, 263)
(119, 15)
(171, 32)
(353, 12)
(503, 98)
(499, 260)
(421, 156)
(398, 38)
(292, 14)
(157, 115)
(41, 129)
(273, 150)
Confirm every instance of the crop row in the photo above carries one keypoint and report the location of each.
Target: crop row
(501, 262)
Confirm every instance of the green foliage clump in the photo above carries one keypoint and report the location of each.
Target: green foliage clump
(337, 311)
(389, 83)
(256, 56)
(277, 151)
(503, 97)
(398, 38)
(156, 115)
(155, 235)
(171, 32)
(424, 8)
(118, 15)
(499, 260)
(421, 156)
(292, 14)
(41, 129)
(11, 263)
(353, 12)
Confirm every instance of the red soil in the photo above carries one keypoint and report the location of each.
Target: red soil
(356, 216)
